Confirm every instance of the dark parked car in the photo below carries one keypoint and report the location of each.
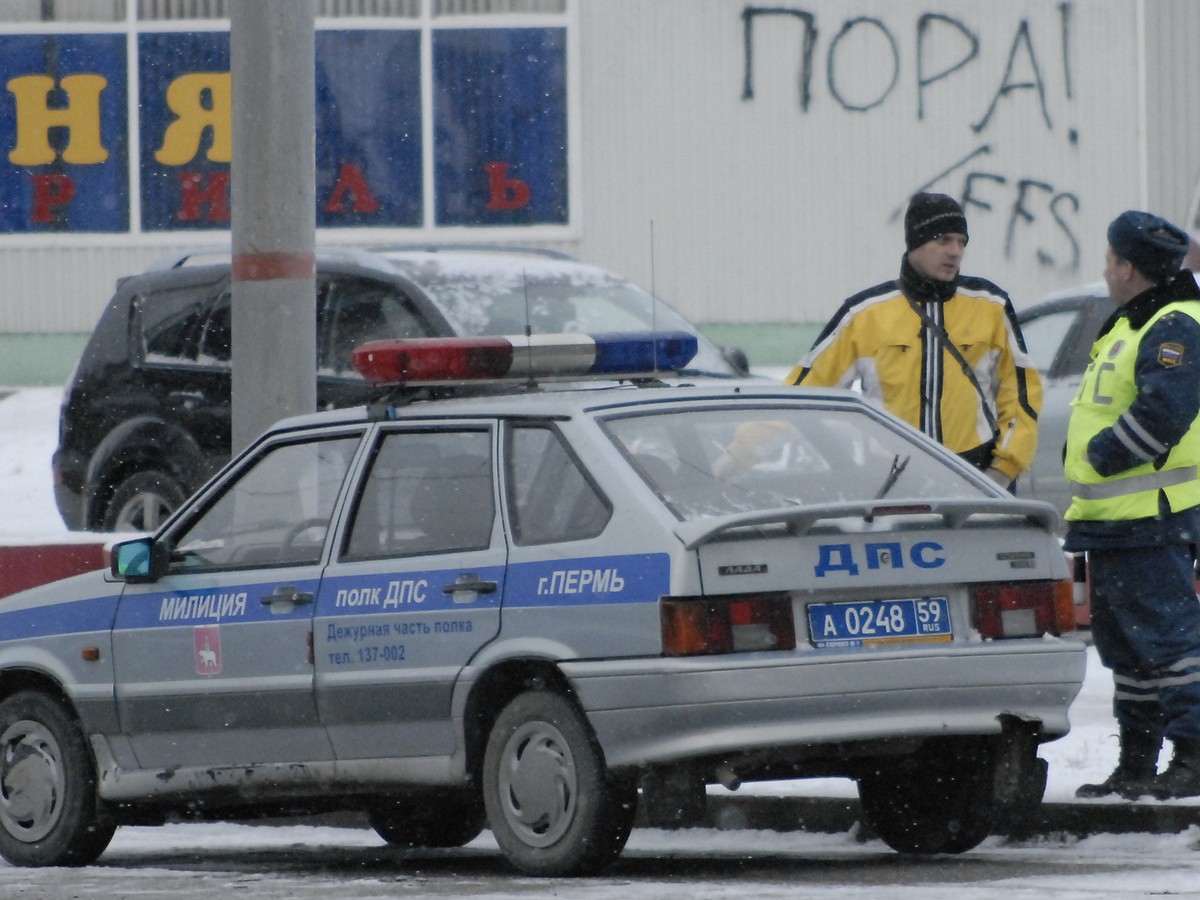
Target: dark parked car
(1059, 332)
(146, 418)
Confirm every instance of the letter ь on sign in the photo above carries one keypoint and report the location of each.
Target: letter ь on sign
(501, 151)
(64, 109)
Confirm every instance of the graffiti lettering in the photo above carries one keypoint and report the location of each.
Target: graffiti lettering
(808, 41)
(924, 79)
(835, 91)
(929, 45)
(864, 60)
(1007, 86)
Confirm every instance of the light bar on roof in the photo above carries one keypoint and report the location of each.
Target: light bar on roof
(430, 361)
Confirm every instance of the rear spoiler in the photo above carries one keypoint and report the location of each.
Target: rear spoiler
(800, 519)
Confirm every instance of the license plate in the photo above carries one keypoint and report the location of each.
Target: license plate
(871, 622)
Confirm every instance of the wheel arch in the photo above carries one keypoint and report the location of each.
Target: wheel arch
(493, 689)
(138, 444)
(15, 680)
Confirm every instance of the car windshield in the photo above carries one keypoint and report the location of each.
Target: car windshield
(720, 460)
(494, 296)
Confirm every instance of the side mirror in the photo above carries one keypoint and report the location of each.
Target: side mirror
(737, 358)
(133, 561)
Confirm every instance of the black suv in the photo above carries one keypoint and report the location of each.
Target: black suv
(146, 418)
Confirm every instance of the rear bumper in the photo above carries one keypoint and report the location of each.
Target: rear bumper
(70, 507)
(652, 711)
(68, 494)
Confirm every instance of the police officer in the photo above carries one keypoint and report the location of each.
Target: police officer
(1133, 446)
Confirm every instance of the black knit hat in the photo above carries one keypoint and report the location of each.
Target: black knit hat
(931, 215)
(1154, 246)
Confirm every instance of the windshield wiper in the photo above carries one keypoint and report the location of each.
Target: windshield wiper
(893, 475)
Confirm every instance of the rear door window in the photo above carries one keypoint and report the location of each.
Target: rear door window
(169, 324)
(551, 499)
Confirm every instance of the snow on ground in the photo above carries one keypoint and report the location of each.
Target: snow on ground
(28, 435)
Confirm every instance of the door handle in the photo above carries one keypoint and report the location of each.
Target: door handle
(469, 584)
(286, 598)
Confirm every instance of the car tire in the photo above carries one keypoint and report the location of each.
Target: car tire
(441, 819)
(49, 809)
(939, 800)
(142, 502)
(553, 806)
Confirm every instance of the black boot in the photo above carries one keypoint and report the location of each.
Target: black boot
(1135, 771)
(1182, 777)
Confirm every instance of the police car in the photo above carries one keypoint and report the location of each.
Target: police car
(532, 607)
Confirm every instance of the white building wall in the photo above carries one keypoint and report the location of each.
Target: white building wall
(752, 207)
(764, 210)
(1172, 101)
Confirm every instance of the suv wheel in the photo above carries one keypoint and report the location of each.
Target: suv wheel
(142, 502)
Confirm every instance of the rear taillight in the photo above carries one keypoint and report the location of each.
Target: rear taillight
(744, 622)
(1023, 608)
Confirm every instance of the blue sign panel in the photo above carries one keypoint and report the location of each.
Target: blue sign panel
(186, 97)
(369, 170)
(64, 114)
(500, 114)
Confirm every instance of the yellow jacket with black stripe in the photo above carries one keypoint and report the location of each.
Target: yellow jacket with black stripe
(879, 341)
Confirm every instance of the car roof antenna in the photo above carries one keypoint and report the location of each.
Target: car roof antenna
(653, 297)
(529, 384)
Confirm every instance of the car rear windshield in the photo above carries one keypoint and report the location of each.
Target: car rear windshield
(720, 460)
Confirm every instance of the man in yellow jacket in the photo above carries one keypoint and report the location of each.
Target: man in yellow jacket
(939, 349)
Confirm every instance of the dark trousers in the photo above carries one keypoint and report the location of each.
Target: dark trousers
(1146, 626)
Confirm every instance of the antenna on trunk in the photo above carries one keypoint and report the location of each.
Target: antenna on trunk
(653, 295)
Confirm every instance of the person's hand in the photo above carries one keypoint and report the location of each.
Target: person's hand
(997, 476)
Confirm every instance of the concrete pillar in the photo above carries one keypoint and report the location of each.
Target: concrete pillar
(274, 213)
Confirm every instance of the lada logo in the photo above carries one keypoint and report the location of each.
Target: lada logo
(744, 569)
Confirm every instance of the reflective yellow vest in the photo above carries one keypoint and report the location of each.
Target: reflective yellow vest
(1107, 390)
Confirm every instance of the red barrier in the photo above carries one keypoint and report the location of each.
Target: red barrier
(24, 567)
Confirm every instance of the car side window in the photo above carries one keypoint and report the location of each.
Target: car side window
(1044, 336)
(216, 336)
(168, 323)
(551, 499)
(276, 512)
(358, 310)
(425, 492)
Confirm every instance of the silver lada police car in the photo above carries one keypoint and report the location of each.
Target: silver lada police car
(533, 609)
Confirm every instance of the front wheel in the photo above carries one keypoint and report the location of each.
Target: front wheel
(49, 811)
(939, 800)
(439, 819)
(553, 806)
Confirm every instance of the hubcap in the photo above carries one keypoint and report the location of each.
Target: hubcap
(538, 784)
(145, 512)
(32, 783)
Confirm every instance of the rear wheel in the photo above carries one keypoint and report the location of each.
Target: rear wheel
(440, 819)
(143, 501)
(49, 811)
(552, 804)
(939, 800)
